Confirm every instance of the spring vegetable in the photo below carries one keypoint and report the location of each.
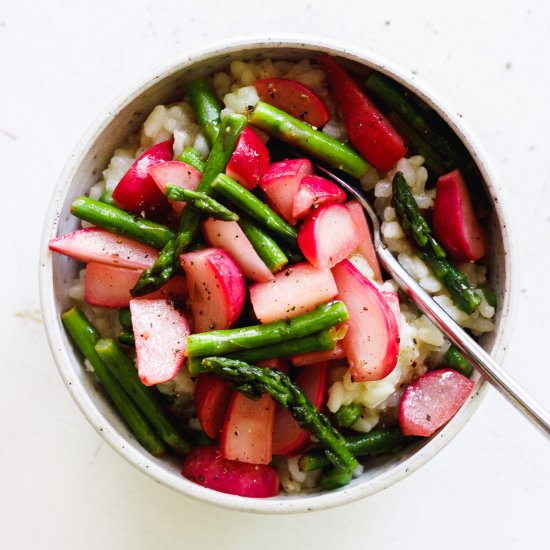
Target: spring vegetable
(489, 296)
(212, 396)
(145, 398)
(328, 236)
(137, 191)
(392, 299)
(293, 98)
(126, 337)
(369, 130)
(288, 436)
(193, 158)
(255, 381)
(454, 220)
(201, 202)
(247, 433)
(250, 205)
(372, 443)
(165, 266)
(86, 337)
(206, 108)
(108, 286)
(125, 318)
(332, 478)
(299, 134)
(313, 192)
(347, 415)
(308, 358)
(281, 183)
(432, 252)
(267, 249)
(207, 467)
(220, 342)
(216, 288)
(296, 290)
(96, 245)
(107, 198)
(249, 161)
(432, 400)
(372, 340)
(456, 361)
(160, 332)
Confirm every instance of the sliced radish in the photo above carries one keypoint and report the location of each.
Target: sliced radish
(230, 237)
(432, 400)
(313, 192)
(288, 436)
(281, 182)
(297, 289)
(311, 357)
(249, 161)
(174, 290)
(294, 98)
(109, 286)
(177, 173)
(328, 236)
(207, 467)
(372, 340)
(137, 191)
(454, 220)
(366, 246)
(392, 299)
(212, 396)
(160, 332)
(96, 245)
(248, 429)
(216, 288)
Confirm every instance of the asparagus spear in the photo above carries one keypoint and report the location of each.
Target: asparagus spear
(218, 342)
(301, 135)
(252, 206)
(107, 198)
(332, 478)
(268, 250)
(125, 318)
(455, 360)
(123, 369)
(165, 266)
(118, 221)
(375, 442)
(126, 337)
(431, 251)
(254, 381)
(201, 202)
(192, 157)
(85, 337)
(206, 108)
(347, 415)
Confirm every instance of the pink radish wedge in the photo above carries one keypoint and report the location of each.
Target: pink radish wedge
(392, 300)
(212, 396)
(137, 191)
(230, 237)
(216, 288)
(207, 467)
(247, 433)
(160, 332)
(313, 192)
(249, 161)
(176, 173)
(372, 340)
(366, 246)
(96, 245)
(311, 357)
(328, 236)
(432, 400)
(281, 182)
(454, 220)
(109, 286)
(296, 289)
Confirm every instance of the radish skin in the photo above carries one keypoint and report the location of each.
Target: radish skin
(212, 396)
(249, 161)
(313, 192)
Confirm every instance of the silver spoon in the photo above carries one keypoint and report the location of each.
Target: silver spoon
(479, 358)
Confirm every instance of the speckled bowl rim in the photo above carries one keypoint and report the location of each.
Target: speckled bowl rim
(139, 458)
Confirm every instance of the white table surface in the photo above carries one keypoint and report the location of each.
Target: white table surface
(61, 63)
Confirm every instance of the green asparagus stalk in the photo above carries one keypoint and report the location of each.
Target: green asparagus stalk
(206, 108)
(118, 221)
(126, 336)
(107, 198)
(332, 478)
(254, 381)
(253, 207)
(221, 342)
(123, 369)
(165, 266)
(299, 134)
(489, 296)
(456, 361)
(192, 157)
(372, 443)
(431, 251)
(266, 248)
(85, 337)
(125, 318)
(347, 415)
(201, 202)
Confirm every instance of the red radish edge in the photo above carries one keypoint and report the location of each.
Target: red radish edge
(315, 191)
(212, 396)
(249, 161)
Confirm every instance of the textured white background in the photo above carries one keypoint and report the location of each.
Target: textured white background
(61, 63)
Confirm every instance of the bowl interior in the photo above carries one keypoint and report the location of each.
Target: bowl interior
(85, 169)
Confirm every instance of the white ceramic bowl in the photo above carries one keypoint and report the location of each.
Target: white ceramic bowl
(83, 170)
